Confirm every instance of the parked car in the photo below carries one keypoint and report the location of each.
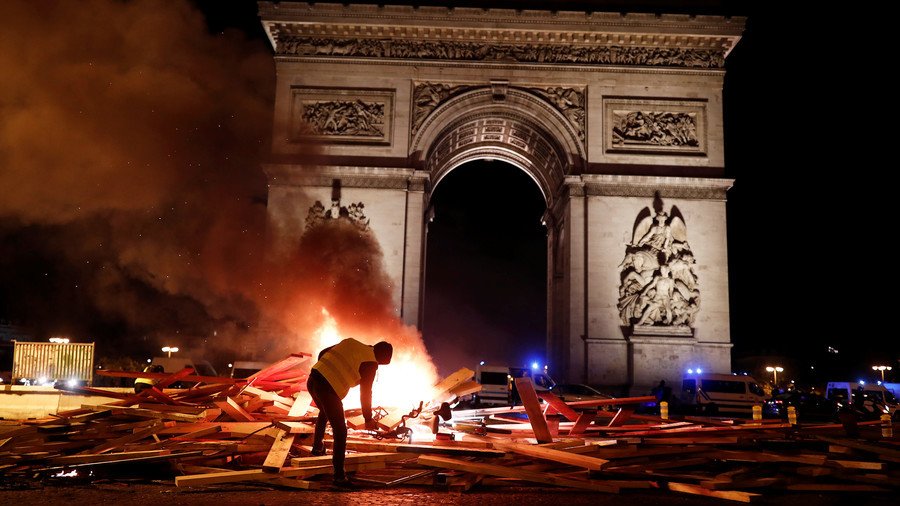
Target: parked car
(574, 392)
(811, 406)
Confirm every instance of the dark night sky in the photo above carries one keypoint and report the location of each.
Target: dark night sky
(805, 116)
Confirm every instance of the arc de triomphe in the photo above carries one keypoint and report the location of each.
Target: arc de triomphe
(616, 117)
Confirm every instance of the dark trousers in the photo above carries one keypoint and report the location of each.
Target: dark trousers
(331, 410)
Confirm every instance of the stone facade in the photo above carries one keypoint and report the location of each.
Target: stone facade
(611, 114)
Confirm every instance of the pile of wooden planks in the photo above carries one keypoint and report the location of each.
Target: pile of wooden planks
(259, 429)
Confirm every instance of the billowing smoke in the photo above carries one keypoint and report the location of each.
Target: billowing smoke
(133, 202)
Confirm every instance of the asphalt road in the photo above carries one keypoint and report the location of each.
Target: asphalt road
(165, 493)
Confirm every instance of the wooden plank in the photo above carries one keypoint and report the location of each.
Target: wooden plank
(866, 447)
(294, 427)
(198, 480)
(464, 483)
(450, 382)
(234, 410)
(289, 362)
(449, 450)
(616, 402)
(122, 441)
(163, 375)
(559, 405)
(233, 428)
(721, 440)
(742, 484)
(358, 458)
(855, 464)
(269, 396)
(582, 423)
(279, 452)
(84, 459)
(622, 416)
(302, 401)
(511, 472)
(162, 415)
(533, 408)
(173, 378)
(466, 388)
(731, 495)
(572, 459)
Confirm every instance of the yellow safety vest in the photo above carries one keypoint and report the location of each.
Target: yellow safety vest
(146, 381)
(340, 364)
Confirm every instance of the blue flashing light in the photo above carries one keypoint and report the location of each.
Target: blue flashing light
(690, 371)
(534, 365)
(699, 371)
(481, 363)
(861, 382)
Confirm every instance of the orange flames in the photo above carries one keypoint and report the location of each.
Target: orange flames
(408, 379)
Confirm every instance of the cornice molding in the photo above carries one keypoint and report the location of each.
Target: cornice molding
(527, 36)
(649, 186)
(349, 176)
(406, 15)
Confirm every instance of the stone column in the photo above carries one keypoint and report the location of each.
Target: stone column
(576, 308)
(414, 249)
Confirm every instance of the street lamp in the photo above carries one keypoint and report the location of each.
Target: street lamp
(775, 370)
(170, 350)
(881, 368)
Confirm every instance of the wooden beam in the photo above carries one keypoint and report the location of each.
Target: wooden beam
(512, 472)
(559, 405)
(279, 452)
(234, 410)
(533, 408)
(294, 427)
(582, 423)
(621, 417)
(358, 458)
(731, 495)
(540, 452)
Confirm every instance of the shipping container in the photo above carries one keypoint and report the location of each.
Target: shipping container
(53, 361)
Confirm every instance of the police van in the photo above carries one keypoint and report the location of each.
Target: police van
(869, 399)
(713, 394)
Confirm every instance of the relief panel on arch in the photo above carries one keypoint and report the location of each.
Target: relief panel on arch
(345, 115)
(654, 126)
(569, 101)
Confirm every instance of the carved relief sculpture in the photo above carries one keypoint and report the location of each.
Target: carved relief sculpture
(427, 96)
(344, 115)
(658, 276)
(345, 118)
(655, 128)
(489, 51)
(652, 125)
(354, 213)
(568, 101)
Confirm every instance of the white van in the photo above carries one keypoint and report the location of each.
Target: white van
(495, 384)
(874, 398)
(721, 393)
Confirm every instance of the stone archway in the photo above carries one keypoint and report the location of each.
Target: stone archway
(609, 113)
(515, 125)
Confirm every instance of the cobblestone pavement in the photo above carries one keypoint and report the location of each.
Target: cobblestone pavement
(162, 494)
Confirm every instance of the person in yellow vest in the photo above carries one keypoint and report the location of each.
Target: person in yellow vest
(141, 384)
(340, 368)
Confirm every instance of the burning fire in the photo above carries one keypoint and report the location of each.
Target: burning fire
(406, 381)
